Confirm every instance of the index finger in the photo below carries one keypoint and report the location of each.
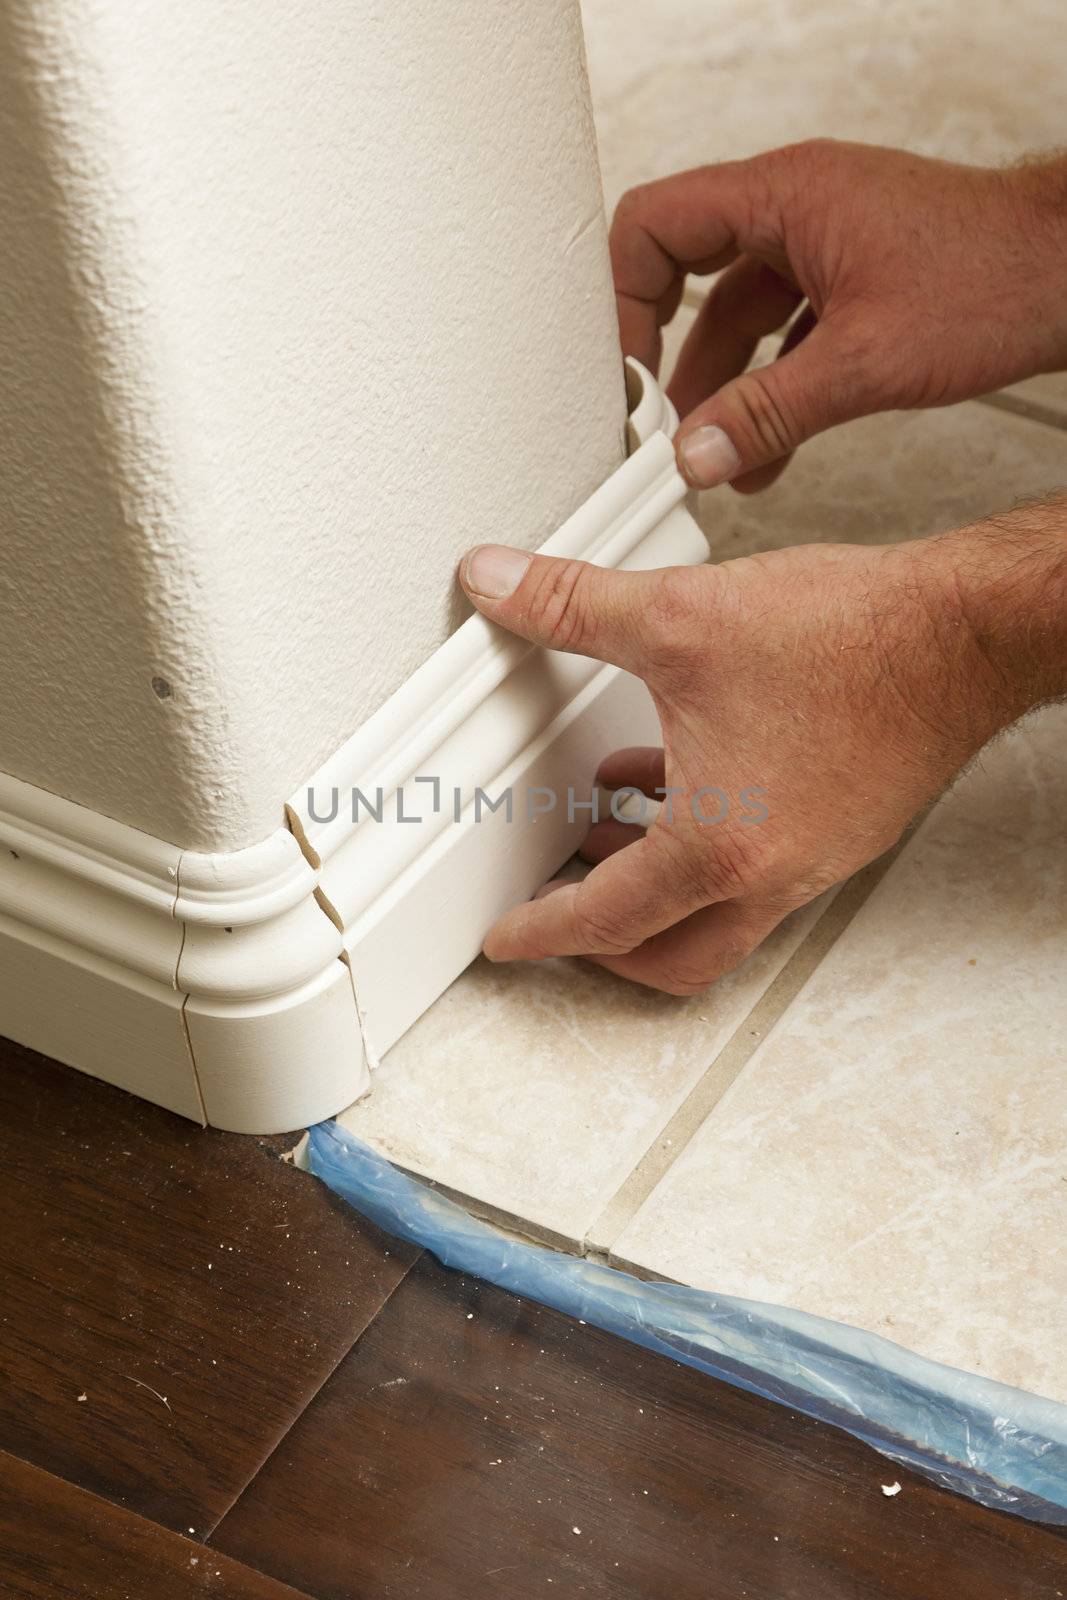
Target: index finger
(623, 901)
(696, 221)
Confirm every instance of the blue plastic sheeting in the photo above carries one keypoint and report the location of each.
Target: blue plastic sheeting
(1000, 1446)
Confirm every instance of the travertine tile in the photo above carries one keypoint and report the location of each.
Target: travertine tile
(893, 1156)
(533, 1090)
(683, 82)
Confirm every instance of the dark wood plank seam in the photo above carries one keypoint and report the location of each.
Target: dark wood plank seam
(210, 1532)
(577, 1429)
(116, 1508)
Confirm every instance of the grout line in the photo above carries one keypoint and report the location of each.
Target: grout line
(1031, 410)
(735, 1055)
(209, 1533)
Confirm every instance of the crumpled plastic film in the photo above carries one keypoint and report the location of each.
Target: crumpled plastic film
(1003, 1447)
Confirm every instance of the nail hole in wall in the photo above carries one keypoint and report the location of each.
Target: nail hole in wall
(162, 688)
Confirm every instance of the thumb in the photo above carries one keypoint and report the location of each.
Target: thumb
(763, 415)
(563, 604)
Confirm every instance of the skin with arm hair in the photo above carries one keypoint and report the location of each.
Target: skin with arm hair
(848, 685)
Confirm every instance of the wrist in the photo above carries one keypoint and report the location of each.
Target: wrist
(1004, 588)
(1040, 194)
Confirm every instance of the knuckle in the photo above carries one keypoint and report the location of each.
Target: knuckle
(734, 865)
(629, 203)
(557, 606)
(860, 338)
(628, 218)
(682, 978)
(766, 416)
(687, 872)
(808, 178)
(668, 604)
(672, 606)
(813, 152)
(875, 369)
(599, 931)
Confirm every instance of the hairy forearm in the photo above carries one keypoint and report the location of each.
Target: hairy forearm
(851, 683)
(1032, 296)
(1006, 586)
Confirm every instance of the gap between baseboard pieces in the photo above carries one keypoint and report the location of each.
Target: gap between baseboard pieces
(253, 987)
(412, 903)
(183, 994)
(597, 1244)
(751, 1033)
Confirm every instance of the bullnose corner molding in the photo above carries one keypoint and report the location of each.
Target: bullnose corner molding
(254, 989)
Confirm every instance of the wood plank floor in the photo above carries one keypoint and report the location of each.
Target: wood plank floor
(59, 1540)
(215, 1379)
(173, 1298)
(505, 1446)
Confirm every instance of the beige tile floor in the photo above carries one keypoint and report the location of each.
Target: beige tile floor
(894, 1155)
(557, 1097)
(682, 82)
(859, 1121)
(535, 1091)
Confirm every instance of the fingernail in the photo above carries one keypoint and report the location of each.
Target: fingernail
(708, 457)
(495, 570)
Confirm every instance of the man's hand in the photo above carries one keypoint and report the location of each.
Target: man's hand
(847, 685)
(914, 283)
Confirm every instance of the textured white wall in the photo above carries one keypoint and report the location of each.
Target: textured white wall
(297, 302)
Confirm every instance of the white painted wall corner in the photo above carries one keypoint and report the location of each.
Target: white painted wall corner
(254, 989)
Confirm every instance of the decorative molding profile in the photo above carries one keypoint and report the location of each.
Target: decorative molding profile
(254, 990)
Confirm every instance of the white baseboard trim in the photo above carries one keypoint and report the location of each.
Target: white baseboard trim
(212, 984)
(253, 990)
